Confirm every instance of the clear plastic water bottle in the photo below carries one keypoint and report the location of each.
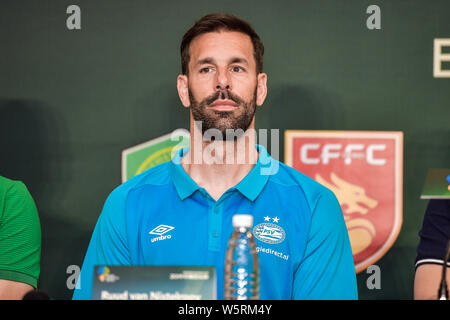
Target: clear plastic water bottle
(241, 262)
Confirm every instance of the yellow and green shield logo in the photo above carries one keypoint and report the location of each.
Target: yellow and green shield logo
(141, 157)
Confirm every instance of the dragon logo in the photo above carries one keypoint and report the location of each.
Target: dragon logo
(353, 200)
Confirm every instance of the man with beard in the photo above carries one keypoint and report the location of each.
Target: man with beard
(180, 212)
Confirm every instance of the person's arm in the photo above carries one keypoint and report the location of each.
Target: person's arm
(327, 271)
(427, 281)
(20, 243)
(108, 245)
(13, 290)
(434, 236)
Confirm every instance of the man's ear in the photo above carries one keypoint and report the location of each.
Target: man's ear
(183, 91)
(261, 92)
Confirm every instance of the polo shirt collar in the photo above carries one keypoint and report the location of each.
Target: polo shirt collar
(251, 186)
(184, 184)
(255, 181)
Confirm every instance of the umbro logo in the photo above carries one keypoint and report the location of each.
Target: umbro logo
(159, 231)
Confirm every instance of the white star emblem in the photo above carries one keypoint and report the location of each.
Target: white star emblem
(276, 219)
(266, 218)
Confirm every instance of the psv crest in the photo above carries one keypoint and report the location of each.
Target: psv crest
(364, 169)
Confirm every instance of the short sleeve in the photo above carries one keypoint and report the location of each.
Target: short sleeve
(108, 245)
(327, 271)
(434, 234)
(20, 235)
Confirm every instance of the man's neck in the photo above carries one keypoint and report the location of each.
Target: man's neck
(219, 165)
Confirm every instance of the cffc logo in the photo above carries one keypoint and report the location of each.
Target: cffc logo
(336, 151)
(365, 172)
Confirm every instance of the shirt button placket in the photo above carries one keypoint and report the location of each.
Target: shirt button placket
(216, 226)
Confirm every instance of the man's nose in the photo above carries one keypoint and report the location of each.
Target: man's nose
(223, 81)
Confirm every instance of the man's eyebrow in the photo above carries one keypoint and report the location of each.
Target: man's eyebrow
(239, 60)
(205, 61)
(212, 61)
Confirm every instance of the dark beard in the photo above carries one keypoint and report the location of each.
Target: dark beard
(236, 121)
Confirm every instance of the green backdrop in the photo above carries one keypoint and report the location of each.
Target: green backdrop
(72, 100)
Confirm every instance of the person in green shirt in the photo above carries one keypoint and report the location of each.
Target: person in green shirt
(20, 240)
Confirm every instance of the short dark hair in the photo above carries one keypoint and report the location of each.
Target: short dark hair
(217, 22)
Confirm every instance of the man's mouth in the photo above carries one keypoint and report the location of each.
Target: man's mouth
(224, 105)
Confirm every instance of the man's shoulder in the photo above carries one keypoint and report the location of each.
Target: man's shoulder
(5, 182)
(440, 207)
(15, 195)
(289, 176)
(310, 188)
(157, 176)
(9, 185)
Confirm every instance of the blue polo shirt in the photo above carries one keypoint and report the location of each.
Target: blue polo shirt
(162, 217)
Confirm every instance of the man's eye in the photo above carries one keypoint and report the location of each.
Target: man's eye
(205, 70)
(237, 69)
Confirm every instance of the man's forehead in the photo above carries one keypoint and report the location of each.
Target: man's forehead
(221, 42)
